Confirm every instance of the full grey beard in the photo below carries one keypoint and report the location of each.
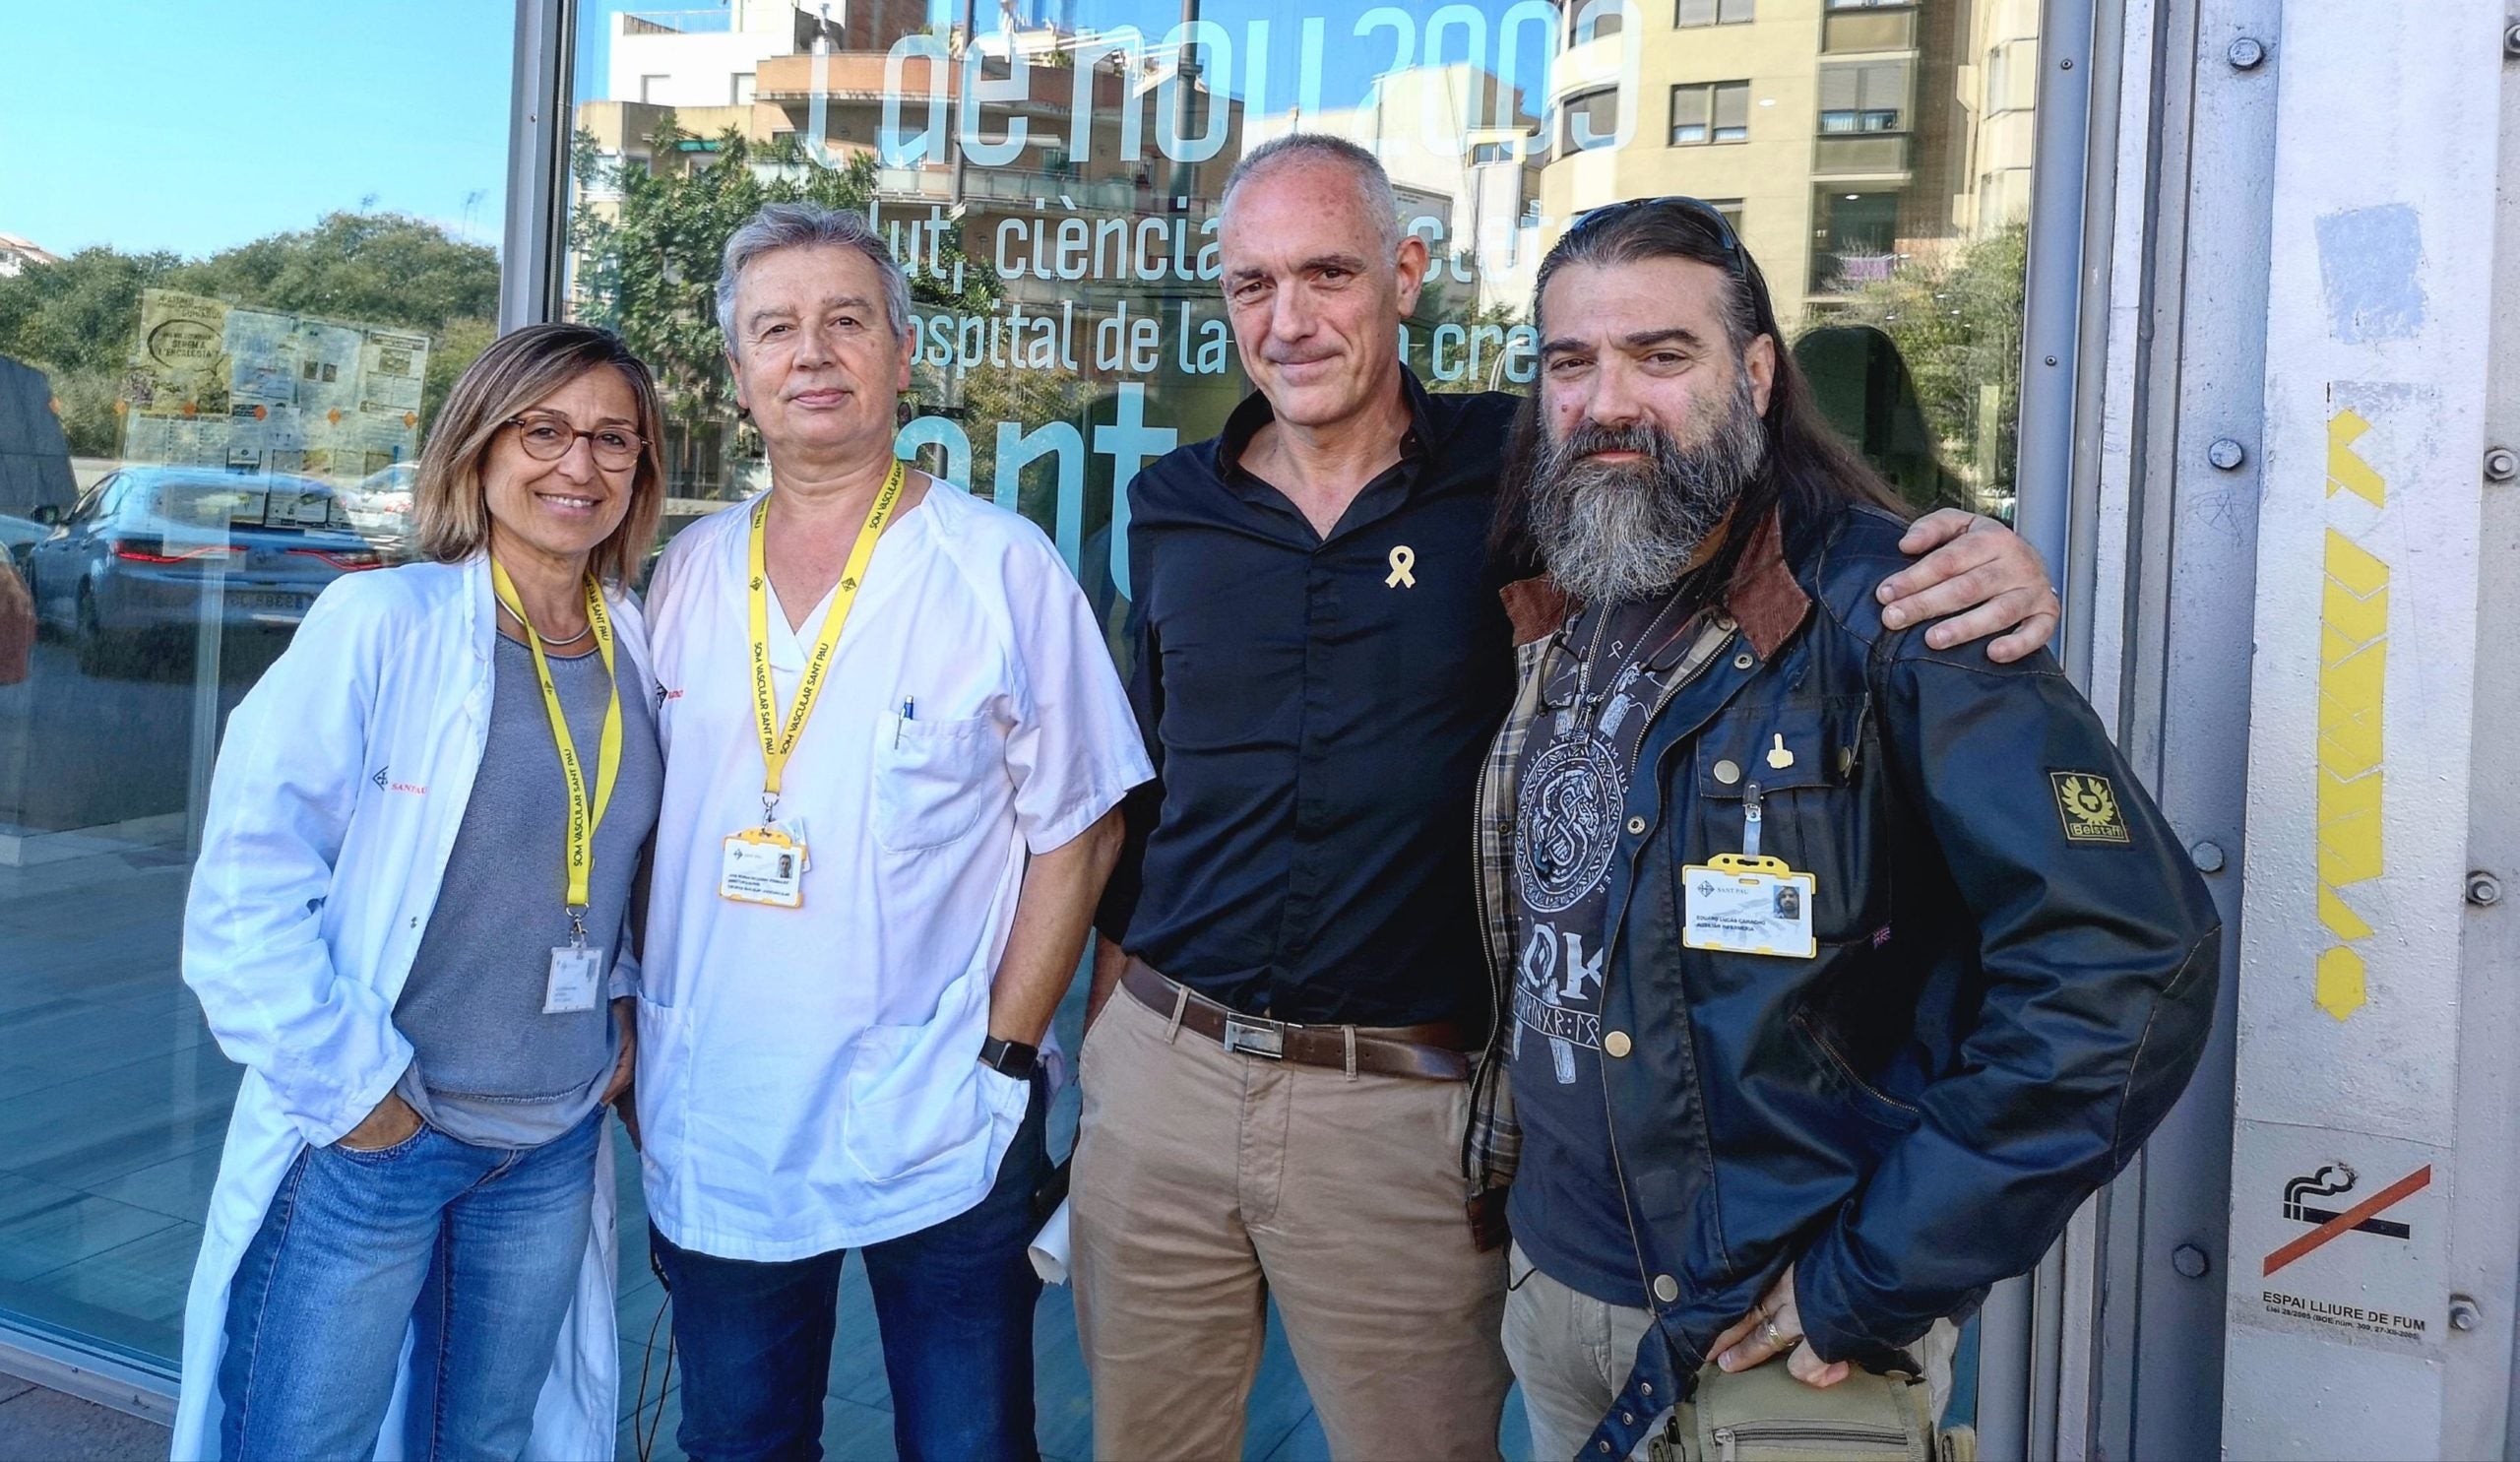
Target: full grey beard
(1621, 533)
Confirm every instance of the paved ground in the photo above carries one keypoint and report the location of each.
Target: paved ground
(41, 1425)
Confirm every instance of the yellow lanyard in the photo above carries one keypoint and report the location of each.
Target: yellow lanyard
(778, 741)
(584, 818)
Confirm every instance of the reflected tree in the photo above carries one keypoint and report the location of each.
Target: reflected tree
(1954, 314)
(644, 264)
(75, 320)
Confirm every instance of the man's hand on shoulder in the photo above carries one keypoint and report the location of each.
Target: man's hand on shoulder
(1977, 564)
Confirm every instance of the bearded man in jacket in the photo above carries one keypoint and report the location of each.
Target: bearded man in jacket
(1841, 968)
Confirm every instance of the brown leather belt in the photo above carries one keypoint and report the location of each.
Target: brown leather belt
(1431, 1051)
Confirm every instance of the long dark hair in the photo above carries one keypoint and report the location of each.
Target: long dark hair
(1809, 467)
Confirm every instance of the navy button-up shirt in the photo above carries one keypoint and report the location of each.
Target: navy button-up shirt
(1316, 709)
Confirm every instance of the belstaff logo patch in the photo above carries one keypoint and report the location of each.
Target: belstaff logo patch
(2087, 805)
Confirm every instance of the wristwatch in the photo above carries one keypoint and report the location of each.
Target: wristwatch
(1009, 1057)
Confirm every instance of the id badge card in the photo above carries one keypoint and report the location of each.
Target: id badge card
(763, 866)
(1743, 904)
(576, 978)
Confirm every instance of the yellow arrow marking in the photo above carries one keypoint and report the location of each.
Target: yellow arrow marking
(2354, 632)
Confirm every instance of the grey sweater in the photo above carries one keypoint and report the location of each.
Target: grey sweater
(490, 1068)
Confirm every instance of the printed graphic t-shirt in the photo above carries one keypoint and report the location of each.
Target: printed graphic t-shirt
(1577, 762)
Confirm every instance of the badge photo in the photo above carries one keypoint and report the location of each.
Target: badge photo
(1747, 905)
(763, 866)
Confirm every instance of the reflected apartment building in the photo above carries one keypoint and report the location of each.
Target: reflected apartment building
(1846, 138)
(1069, 239)
(1869, 153)
(1853, 142)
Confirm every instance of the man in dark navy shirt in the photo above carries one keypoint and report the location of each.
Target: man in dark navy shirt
(1331, 707)
(1275, 1103)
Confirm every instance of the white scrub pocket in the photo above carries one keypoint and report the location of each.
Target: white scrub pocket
(913, 1110)
(935, 779)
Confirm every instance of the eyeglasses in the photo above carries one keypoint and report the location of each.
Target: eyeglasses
(549, 438)
(1695, 208)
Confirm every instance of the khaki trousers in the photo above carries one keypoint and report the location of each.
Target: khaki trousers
(1207, 1181)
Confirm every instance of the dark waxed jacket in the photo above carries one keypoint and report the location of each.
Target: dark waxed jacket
(2015, 974)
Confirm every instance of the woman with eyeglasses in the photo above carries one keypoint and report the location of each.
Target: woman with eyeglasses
(409, 922)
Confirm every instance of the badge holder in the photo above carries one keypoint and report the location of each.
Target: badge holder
(577, 971)
(764, 864)
(1743, 903)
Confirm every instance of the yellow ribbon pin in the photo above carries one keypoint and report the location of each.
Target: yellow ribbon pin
(1403, 559)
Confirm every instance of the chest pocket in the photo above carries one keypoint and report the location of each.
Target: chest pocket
(936, 781)
(1810, 759)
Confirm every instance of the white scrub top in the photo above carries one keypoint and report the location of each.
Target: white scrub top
(809, 1078)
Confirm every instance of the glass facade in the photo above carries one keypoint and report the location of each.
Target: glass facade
(199, 427)
(218, 355)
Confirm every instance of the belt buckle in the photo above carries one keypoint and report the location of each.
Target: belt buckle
(1254, 1039)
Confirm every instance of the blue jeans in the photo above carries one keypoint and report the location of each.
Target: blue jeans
(474, 1251)
(954, 1302)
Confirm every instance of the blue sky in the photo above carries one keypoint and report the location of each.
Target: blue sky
(193, 125)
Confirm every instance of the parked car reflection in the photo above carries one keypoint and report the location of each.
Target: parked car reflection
(380, 508)
(19, 537)
(134, 564)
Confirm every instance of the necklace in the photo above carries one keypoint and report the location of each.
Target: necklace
(1591, 709)
(548, 643)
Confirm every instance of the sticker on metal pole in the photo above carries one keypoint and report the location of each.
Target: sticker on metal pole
(2333, 1180)
(2347, 1233)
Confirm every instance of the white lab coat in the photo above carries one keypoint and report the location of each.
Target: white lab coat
(340, 788)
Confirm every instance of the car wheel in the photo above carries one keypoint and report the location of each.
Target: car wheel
(45, 629)
(100, 652)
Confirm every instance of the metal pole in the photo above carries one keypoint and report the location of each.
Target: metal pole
(1185, 175)
(970, 50)
(2003, 1373)
(532, 270)
(2043, 513)
(2376, 1026)
(2043, 478)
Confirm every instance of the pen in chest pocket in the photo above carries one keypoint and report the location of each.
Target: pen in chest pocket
(910, 709)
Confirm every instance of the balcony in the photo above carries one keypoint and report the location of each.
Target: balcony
(998, 185)
(1860, 155)
(1867, 31)
(676, 22)
(1835, 272)
(860, 76)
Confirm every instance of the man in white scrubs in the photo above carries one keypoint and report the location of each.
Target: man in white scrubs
(895, 743)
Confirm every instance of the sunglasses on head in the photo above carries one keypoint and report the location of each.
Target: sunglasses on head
(1694, 207)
